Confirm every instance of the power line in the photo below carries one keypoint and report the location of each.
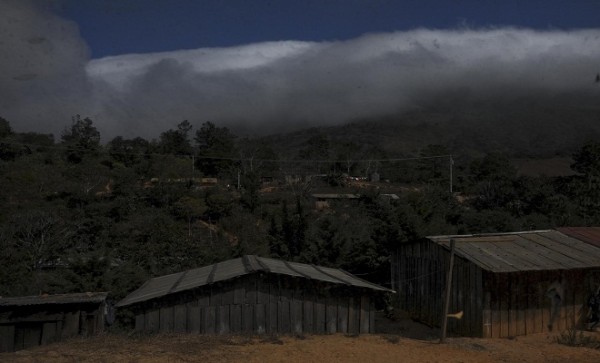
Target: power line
(208, 157)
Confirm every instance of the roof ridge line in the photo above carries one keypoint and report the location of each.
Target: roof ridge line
(262, 265)
(246, 262)
(254, 264)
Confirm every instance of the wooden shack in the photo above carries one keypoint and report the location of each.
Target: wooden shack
(506, 284)
(255, 295)
(30, 321)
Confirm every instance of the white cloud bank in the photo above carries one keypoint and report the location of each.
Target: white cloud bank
(275, 85)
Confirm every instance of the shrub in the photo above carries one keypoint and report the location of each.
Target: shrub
(576, 338)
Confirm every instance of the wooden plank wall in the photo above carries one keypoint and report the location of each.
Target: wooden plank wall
(7, 338)
(494, 304)
(29, 326)
(520, 303)
(259, 304)
(419, 271)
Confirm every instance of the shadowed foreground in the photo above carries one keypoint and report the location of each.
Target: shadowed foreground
(330, 348)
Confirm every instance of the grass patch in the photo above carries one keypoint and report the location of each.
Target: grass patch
(577, 338)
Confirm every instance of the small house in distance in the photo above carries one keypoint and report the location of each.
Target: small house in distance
(30, 321)
(255, 295)
(322, 200)
(507, 284)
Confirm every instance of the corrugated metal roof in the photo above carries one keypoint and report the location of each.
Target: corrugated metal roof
(164, 285)
(590, 235)
(524, 251)
(85, 297)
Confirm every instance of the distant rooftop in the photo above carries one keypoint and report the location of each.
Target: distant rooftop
(336, 196)
(85, 297)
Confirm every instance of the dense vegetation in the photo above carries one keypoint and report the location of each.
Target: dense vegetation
(82, 216)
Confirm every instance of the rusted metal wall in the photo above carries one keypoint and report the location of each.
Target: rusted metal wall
(261, 304)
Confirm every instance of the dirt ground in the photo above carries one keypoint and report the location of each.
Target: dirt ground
(403, 341)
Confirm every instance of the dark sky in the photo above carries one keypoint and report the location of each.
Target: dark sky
(138, 68)
(113, 27)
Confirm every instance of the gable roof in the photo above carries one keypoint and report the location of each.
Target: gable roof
(523, 251)
(187, 280)
(78, 298)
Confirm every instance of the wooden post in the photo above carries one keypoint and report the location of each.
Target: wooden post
(448, 290)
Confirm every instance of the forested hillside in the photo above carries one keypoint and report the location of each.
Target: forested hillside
(80, 215)
(536, 126)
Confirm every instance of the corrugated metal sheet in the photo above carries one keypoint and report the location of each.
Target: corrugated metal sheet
(164, 285)
(524, 251)
(86, 297)
(590, 235)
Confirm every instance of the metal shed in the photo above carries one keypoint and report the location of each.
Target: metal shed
(506, 284)
(30, 321)
(255, 295)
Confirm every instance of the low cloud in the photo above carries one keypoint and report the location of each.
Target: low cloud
(274, 86)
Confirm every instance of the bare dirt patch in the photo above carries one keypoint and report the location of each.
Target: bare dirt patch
(398, 340)
(328, 348)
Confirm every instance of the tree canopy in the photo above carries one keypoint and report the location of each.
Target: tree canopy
(80, 216)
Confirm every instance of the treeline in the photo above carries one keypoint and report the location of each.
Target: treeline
(81, 216)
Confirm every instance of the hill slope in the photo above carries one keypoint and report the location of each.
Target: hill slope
(536, 126)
